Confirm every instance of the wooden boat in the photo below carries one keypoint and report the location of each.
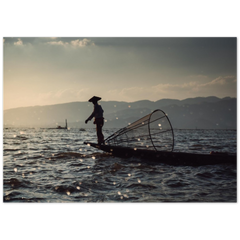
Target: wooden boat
(171, 158)
(152, 138)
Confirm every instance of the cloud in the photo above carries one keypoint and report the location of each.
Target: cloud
(178, 91)
(129, 94)
(75, 43)
(63, 95)
(219, 81)
(82, 43)
(198, 76)
(220, 86)
(59, 43)
(18, 43)
(70, 93)
(171, 88)
(195, 86)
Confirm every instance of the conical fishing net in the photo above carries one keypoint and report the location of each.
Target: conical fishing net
(152, 132)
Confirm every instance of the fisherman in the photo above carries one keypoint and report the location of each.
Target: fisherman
(98, 118)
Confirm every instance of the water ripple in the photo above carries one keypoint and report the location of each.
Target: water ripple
(55, 166)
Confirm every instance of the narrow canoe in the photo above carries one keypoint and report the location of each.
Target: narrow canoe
(171, 158)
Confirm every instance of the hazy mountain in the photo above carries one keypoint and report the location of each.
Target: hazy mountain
(205, 113)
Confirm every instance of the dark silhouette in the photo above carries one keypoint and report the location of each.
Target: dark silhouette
(59, 127)
(98, 118)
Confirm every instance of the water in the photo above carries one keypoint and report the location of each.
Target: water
(48, 165)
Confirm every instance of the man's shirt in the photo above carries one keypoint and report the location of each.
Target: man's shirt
(97, 112)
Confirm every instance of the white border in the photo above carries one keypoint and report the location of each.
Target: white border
(119, 35)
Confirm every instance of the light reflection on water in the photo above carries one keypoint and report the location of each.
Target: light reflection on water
(55, 166)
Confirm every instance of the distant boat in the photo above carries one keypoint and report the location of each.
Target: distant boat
(59, 127)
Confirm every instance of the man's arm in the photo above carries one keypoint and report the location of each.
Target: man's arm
(91, 116)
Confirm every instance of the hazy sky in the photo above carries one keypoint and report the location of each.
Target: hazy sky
(43, 71)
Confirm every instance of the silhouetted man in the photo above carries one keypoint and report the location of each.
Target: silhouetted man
(98, 118)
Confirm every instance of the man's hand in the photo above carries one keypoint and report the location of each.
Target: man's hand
(86, 121)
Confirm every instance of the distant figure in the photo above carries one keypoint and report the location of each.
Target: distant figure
(98, 118)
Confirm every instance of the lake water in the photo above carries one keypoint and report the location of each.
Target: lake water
(48, 165)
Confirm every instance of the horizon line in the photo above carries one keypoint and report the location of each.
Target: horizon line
(117, 101)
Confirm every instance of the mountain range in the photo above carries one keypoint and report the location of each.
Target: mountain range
(191, 113)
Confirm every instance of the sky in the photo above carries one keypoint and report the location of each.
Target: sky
(44, 71)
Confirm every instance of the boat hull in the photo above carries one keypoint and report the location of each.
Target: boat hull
(171, 158)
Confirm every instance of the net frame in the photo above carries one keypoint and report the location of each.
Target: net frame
(145, 133)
